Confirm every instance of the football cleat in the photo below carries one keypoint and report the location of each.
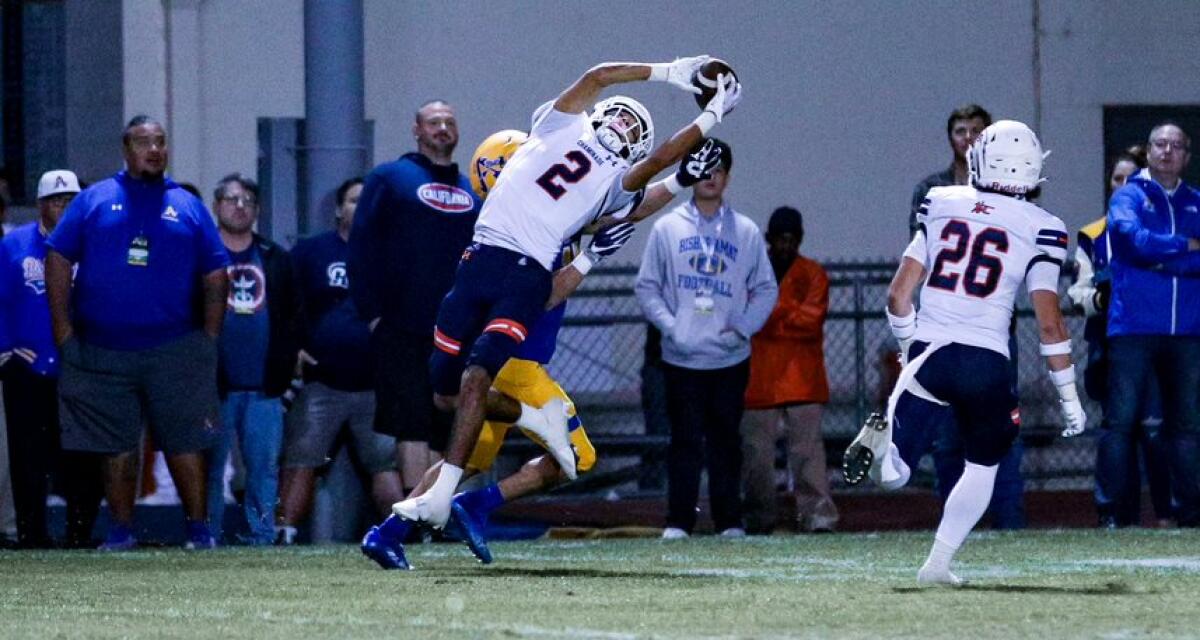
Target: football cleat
(423, 509)
(465, 526)
(872, 442)
(552, 432)
(931, 576)
(119, 539)
(386, 553)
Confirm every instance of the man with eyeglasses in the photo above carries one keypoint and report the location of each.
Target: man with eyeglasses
(137, 327)
(1154, 316)
(257, 355)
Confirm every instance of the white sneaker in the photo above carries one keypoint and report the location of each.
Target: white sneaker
(674, 533)
(548, 425)
(423, 509)
(733, 532)
(931, 576)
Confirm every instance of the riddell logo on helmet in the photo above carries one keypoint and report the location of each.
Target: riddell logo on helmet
(1007, 188)
(446, 198)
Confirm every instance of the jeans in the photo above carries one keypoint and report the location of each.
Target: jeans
(1175, 361)
(257, 423)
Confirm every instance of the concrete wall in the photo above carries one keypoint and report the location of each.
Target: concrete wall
(845, 101)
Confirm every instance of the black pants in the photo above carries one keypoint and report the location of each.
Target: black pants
(31, 410)
(705, 408)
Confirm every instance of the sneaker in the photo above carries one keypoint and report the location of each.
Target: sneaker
(199, 537)
(422, 509)
(388, 554)
(551, 431)
(733, 532)
(871, 444)
(675, 533)
(285, 536)
(119, 539)
(465, 526)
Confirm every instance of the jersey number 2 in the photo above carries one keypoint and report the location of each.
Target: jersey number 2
(567, 174)
(980, 259)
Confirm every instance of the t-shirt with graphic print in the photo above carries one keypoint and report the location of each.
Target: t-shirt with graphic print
(247, 327)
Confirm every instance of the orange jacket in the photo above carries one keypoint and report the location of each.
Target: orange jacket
(787, 357)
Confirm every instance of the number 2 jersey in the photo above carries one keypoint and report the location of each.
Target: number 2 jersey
(560, 180)
(977, 248)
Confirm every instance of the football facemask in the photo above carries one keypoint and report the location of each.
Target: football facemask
(623, 126)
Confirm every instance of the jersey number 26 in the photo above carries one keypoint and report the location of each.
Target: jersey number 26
(979, 259)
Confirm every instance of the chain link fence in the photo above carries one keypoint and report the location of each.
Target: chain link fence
(600, 361)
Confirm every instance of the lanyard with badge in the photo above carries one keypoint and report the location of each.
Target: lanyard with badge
(703, 301)
(139, 247)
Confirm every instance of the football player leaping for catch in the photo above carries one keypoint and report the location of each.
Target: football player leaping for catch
(573, 169)
(974, 247)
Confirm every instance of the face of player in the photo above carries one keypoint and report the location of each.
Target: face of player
(1168, 154)
(345, 214)
(1120, 173)
(50, 209)
(146, 151)
(237, 209)
(714, 187)
(627, 126)
(436, 131)
(962, 133)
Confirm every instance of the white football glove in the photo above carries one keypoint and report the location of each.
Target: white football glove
(723, 101)
(679, 72)
(1068, 399)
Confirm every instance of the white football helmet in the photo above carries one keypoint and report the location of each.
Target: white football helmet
(631, 142)
(1006, 157)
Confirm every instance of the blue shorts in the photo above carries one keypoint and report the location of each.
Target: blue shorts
(497, 296)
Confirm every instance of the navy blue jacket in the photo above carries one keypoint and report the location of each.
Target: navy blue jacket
(413, 221)
(1155, 279)
(330, 329)
(24, 311)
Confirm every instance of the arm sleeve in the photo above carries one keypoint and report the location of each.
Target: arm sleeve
(67, 237)
(761, 293)
(1043, 269)
(651, 279)
(364, 265)
(1187, 265)
(1126, 224)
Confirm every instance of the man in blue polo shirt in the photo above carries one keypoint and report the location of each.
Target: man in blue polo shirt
(30, 372)
(137, 329)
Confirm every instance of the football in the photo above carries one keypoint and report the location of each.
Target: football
(705, 79)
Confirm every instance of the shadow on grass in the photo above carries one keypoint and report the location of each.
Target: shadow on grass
(1107, 589)
(557, 572)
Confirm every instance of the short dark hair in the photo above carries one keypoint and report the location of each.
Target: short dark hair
(137, 121)
(726, 153)
(426, 104)
(344, 188)
(246, 183)
(967, 112)
(1171, 123)
(190, 188)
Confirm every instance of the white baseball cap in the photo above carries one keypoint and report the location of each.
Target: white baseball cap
(56, 182)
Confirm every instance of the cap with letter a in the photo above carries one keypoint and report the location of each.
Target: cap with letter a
(55, 182)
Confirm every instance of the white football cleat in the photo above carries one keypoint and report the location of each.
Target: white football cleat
(932, 576)
(674, 533)
(867, 450)
(549, 426)
(423, 509)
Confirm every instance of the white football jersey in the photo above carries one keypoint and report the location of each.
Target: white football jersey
(977, 248)
(558, 181)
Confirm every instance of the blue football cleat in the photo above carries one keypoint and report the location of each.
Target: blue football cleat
(466, 527)
(386, 553)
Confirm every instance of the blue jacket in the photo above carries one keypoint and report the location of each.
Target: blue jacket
(331, 330)
(1155, 279)
(24, 311)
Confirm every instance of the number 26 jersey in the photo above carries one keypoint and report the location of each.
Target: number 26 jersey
(560, 180)
(978, 247)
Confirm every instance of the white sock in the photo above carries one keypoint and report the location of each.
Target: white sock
(965, 506)
(442, 491)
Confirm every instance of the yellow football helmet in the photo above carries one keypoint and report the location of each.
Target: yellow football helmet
(491, 156)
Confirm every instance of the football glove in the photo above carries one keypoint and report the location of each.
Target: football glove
(679, 72)
(726, 97)
(698, 165)
(608, 241)
(1068, 398)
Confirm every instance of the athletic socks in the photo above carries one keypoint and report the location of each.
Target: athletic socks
(965, 506)
(482, 501)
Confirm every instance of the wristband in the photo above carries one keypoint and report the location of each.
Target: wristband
(672, 185)
(1057, 349)
(705, 121)
(903, 327)
(583, 263)
(659, 72)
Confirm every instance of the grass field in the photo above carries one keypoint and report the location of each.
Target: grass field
(1053, 584)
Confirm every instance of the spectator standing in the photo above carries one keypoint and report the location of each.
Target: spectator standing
(258, 350)
(941, 435)
(335, 363)
(415, 217)
(1090, 293)
(30, 372)
(706, 283)
(1154, 318)
(788, 386)
(137, 328)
